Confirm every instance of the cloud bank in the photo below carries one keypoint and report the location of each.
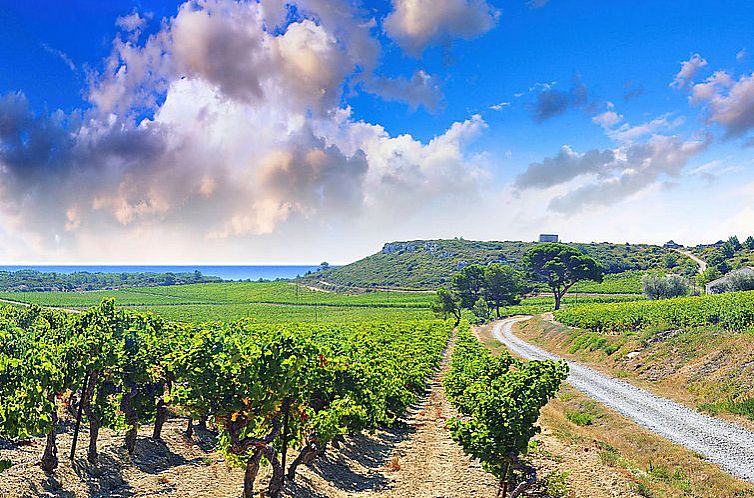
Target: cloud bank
(228, 122)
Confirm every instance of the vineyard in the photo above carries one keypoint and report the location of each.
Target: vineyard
(499, 400)
(270, 389)
(273, 302)
(732, 311)
(224, 293)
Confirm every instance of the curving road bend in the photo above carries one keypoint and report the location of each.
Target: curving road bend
(720, 442)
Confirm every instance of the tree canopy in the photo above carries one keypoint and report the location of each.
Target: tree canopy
(480, 289)
(560, 267)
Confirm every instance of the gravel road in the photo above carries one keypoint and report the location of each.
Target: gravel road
(720, 442)
(702, 264)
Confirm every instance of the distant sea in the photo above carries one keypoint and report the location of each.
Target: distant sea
(225, 272)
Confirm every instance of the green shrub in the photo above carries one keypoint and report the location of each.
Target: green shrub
(556, 484)
(579, 417)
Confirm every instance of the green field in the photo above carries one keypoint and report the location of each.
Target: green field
(224, 293)
(273, 313)
(274, 302)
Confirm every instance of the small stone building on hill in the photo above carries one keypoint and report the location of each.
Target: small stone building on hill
(548, 237)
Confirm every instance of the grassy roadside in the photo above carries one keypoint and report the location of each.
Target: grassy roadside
(648, 464)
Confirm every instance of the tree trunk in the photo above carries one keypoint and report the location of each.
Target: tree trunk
(307, 456)
(84, 389)
(284, 451)
(531, 476)
(502, 487)
(160, 418)
(132, 420)
(94, 421)
(94, 425)
(189, 429)
(252, 469)
(558, 296)
(278, 473)
(50, 456)
(202, 423)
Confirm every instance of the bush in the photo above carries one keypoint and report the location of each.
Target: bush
(579, 418)
(664, 287)
(740, 282)
(556, 484)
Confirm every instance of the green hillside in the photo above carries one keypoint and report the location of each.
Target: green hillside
(428, 264)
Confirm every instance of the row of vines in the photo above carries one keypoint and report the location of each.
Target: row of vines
(268, 388)
(732, 311)
(498, 399)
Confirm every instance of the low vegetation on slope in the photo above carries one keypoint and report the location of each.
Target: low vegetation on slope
(429, 264)
(727, 255)
(627, 282)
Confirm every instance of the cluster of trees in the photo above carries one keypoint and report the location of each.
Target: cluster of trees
(664, 286)
(480, 289)
(267, 388)
(34, 280)
(484, 288)
(499, 399)
(721, 260)
(617, 258)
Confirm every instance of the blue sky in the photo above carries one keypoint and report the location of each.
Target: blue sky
(232, 128)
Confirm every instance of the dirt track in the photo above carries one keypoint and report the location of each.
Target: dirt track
(723, 443)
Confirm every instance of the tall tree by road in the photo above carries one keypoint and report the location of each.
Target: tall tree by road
(468, 284)
(503, 286)
(560, 267)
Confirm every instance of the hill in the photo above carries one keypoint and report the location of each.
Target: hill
(428, 264)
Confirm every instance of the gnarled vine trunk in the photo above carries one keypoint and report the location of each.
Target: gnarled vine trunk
(189, 432)
(530, 473)
(260, 447)
(160, 418)
(202, 423)
(132, 419)
(308, 454)
(250, 475)
(94, 421)
(50, 456)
